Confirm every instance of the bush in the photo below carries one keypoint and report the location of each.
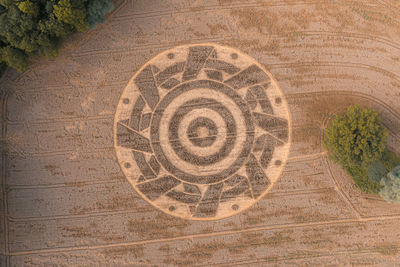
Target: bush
(390, 190)
(356, 140)
(97, 10)
(14, 58)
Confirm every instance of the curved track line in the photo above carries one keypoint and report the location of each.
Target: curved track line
(97, 182)
(150, 209)
(293, 95)
(307, 255)
(61, 152)
(65, 119)
(276, 65)
(368, 97)
(346, 34)
(213, 8)
(275, 36)
(65, 185)
(360, 194)
(355, 35)
(308, 156)
(152, 46)
(76, 216)
(116, 18)
(339, 189)
(389, 6)
(215, 234)
(4, 97)
(361, 95)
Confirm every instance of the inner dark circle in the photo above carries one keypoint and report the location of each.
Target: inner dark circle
(173, 167)
(180, 149)
(202, 132)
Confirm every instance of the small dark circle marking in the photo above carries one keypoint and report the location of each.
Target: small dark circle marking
(234, 56)
(126, 101)
(171, 55)
(278, 100)
(278, 162)
(171, 208)
(235, 207)
(202, 132)
(127, 165)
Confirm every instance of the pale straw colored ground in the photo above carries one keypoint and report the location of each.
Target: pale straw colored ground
(67, 201)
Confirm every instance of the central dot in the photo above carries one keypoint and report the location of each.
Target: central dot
(202, 132)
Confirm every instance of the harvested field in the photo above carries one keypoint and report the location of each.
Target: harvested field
(85, 176)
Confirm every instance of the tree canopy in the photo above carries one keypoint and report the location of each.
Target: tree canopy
(357, 140)
(358, 137)
(37, 26)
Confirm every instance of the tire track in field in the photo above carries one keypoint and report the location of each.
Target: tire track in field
(206, 235)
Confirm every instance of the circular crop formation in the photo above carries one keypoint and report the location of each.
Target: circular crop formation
(202, 132)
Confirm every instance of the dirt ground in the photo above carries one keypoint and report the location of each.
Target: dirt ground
(66, 201)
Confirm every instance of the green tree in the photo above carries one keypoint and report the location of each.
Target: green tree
(356, 138)
(390, 190)
(14, 58)
(28, 7)
(54, 27)
(97, 9)
(38, 26)
(6, 3)
(72, 12)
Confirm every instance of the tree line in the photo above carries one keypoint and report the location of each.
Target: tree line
(38, 26)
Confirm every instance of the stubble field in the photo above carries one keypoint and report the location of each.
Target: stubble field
(66, 200)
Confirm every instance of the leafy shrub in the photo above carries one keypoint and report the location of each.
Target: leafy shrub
(357, 137)
(356, 140)
(97, 10)
(390, 190)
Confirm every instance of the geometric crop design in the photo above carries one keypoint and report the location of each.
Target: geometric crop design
(202, 132)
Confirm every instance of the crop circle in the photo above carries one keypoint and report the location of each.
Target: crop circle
(201, 132)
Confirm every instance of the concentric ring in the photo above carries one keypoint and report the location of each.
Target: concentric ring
(202, 103)
(199, 131)
(179, 149)
(197, 127)
(190, 119)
